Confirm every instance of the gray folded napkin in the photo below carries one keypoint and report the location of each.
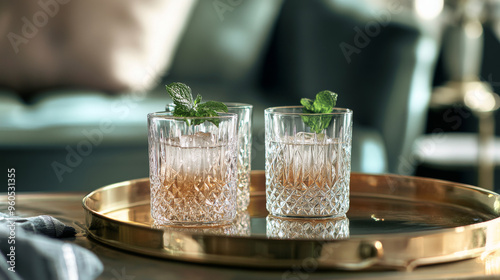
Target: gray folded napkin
(46, 225)
(28, 253)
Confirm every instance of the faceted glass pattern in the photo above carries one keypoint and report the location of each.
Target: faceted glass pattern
(300, 228)
(244, 112)
(240, 226)
(307, 174)
(244, 127)
(192, 170)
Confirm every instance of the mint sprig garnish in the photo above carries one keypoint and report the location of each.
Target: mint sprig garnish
(324, 103)
(185, 106)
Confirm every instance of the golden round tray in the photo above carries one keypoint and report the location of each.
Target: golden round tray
(394, 222)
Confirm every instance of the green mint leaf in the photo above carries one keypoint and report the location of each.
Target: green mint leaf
(213, 105)
(324, 103)
(180, 112)
(307, 103)
(185, 106)
(197, 100)
(207, 112)
(317, 123)
(197, 122)
(181, 96)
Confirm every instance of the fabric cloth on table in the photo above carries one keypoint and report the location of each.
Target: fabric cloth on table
(27, 252)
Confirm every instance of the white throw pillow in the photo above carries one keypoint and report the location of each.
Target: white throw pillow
(112, 45)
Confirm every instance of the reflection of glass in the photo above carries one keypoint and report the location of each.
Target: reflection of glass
(240, 226)
(244, 112)
(307, 174)
(192, 169)
(300, 228)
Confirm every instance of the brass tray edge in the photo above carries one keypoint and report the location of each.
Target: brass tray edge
(490, 228)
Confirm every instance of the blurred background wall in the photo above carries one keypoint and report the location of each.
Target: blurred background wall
(78, 78)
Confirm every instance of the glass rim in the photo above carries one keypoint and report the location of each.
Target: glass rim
(276, 111)
(168, 116)
(237, 105)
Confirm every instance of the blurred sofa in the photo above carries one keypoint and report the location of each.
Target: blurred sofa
(266, 53)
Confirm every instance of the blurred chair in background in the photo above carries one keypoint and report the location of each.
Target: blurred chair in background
(462, 56)
(378, 55)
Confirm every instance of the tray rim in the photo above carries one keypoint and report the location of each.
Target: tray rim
(370, 262)
(262, 193)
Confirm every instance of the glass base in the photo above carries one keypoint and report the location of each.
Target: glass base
(239, 226)
(192, 224)
(291, 228)
(161, 223)
(314, 217)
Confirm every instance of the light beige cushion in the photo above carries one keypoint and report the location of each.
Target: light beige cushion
(112, 45)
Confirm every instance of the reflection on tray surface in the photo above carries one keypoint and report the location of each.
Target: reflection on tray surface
(304, 228)
(239, 227)
(382, 208)
(366, 216)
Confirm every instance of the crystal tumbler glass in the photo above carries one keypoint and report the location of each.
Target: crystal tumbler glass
(192, 169)
(307, 173)
(244, 112)
(300, 228)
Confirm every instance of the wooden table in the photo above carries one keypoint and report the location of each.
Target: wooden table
(121, 265)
